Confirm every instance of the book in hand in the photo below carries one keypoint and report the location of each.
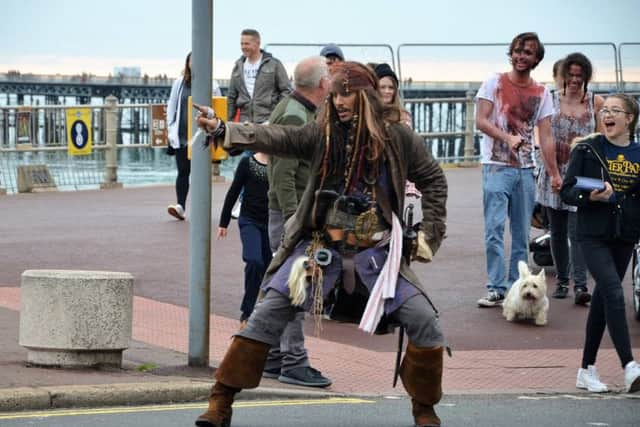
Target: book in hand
(589, 184)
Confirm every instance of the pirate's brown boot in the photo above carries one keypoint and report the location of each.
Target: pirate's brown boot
(219, 412)
(421, 374)
(241, 368)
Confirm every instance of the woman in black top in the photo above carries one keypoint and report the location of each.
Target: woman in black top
(608, 226)
(251, 179)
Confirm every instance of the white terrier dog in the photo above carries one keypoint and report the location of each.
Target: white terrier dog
(527, 298)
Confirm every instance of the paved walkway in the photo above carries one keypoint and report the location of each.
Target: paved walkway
(128, 230)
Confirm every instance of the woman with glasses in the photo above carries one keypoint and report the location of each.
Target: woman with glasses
(574, 115)
(608, 225)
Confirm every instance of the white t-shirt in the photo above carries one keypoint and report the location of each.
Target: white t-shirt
(250, 72)
(516, 111)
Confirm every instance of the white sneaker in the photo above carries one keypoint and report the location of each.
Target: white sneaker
(176, 211)
(632, 376)
(589, 379)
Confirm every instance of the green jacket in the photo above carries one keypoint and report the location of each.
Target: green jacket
(406, 159)
(288, 176)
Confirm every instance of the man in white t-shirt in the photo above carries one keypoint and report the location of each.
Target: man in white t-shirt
(509, 106)
(258, 82)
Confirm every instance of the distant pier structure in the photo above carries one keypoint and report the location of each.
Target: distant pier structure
(31, 89)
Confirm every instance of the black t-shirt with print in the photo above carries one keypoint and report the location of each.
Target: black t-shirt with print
(623, 164)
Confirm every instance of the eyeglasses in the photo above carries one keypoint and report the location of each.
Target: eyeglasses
(614, 112)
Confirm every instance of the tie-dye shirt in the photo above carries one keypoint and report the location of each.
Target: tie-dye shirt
(516, 110)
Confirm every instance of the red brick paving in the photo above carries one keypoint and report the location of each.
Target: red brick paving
(356, 370)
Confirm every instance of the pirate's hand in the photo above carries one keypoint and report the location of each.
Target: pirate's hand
(421, 250)
(206, 118)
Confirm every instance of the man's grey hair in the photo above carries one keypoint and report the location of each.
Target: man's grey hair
(310, 71)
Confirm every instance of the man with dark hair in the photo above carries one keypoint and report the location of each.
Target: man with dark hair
(258, 82)
(532, 39)
(509, 106)
(288, 177)
(347, 224)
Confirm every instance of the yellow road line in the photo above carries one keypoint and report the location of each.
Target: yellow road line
(178, 407)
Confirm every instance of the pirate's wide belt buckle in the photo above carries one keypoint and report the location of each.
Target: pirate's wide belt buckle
(362, 230)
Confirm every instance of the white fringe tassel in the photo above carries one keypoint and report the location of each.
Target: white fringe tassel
(297, 281)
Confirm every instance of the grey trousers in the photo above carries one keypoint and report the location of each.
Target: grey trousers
(290, 352)
(271, 316)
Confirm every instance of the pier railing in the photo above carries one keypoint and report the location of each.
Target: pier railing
(123, 153)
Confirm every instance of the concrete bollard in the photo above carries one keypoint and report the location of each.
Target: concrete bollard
(76, 318)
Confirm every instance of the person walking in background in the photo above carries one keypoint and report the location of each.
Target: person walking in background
(258, 82)
(608, 227)
(333, 55)
(177, 116)
(574, 115)
(509, 106)
(250, 177)
(288, 177)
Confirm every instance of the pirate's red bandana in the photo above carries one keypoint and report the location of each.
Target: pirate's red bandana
(352, 76)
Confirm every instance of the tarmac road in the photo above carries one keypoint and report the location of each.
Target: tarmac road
(477, 411)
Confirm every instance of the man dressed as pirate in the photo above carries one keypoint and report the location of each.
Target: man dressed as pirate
(347, 230)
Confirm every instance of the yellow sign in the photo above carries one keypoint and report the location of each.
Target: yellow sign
(219, 105)
(79, 140)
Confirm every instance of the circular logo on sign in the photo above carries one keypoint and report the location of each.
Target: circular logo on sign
(79, 134)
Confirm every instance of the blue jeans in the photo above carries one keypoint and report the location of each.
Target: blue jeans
(256, 254)
(507, 192)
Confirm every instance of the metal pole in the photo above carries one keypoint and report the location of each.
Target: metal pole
(469, 125)
(200, 255)
(111, 134)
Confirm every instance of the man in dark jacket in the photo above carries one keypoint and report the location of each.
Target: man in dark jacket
(258, 82)
(288, 177)
(348, 219)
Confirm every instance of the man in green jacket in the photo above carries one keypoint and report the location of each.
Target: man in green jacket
(288, 177)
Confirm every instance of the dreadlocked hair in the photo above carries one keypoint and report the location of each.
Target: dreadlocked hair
(367, 129)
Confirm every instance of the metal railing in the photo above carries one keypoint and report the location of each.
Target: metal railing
(623, 83)
(612, 61)
(447, 126)
(348, 46)
(122, 152)
(120, 135)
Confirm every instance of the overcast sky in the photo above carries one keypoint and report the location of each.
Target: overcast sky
(72, 36)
